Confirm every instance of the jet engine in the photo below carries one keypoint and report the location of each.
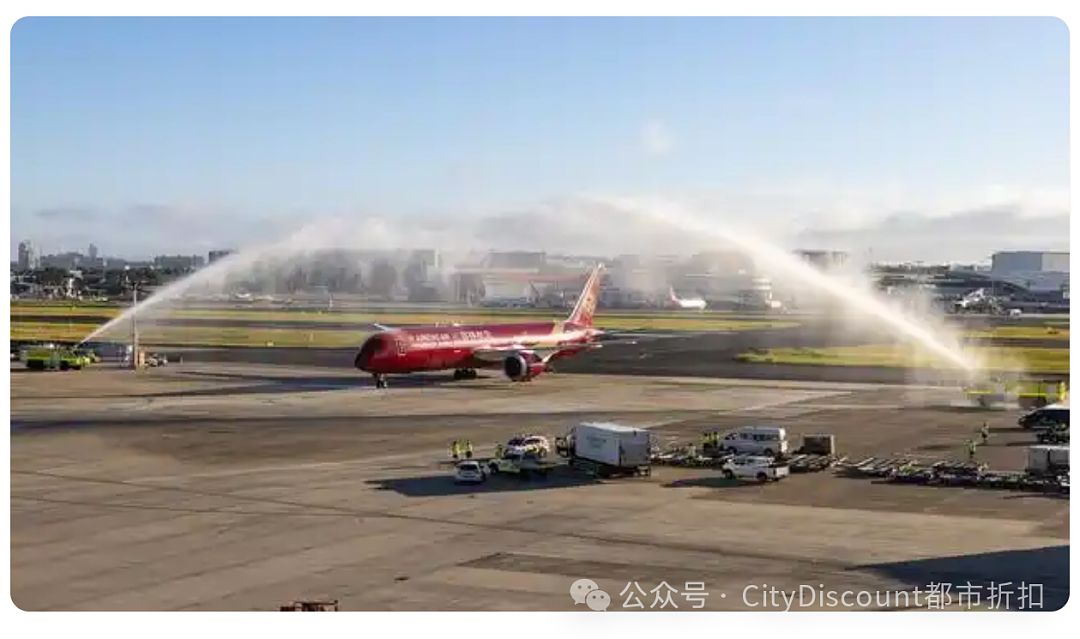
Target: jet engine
(522, 367)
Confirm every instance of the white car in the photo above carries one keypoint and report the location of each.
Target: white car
(761, 469)
(470, 472)
(529, 443)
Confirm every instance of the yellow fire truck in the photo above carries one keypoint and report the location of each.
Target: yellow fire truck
(1027, 393)
(44, 358)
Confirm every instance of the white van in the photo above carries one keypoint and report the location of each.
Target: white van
(756, 440)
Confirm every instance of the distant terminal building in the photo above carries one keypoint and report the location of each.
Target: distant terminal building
(1006, 262)
(720, 263)
(824, 260)
(516, 260)
(1033, 270)
(179, 262)
(66, 261)
(426, 258)
(214, 256)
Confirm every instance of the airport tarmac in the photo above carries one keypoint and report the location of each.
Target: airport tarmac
(706, 355)
(231, 486)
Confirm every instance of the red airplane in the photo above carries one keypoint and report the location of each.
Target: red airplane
(522, 351)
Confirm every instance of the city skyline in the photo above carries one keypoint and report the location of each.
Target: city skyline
(917, 135)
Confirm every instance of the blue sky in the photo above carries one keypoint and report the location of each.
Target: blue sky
(139, 123)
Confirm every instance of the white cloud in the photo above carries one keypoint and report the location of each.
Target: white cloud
(895, 221)
(656, 139)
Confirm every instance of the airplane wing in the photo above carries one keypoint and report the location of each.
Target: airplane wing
(638, 336)
(496, 354)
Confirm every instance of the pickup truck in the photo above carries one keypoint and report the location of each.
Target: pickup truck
(523, 465)
(761, 469)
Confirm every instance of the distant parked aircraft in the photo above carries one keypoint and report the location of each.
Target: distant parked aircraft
(695, 303)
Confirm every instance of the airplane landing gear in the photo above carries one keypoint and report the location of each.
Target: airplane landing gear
(380, 381)
(465, 373)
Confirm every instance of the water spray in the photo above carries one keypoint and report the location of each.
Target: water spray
(588, 225)
(788, 264)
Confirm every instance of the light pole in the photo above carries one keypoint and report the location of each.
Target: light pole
(134, 327)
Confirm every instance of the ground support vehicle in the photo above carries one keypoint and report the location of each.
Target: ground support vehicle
(53, 358)
(525, 466)
(1052, 434)
(1049, 464)
(1036, 394)
(1046, 478)
(529, 443)
(609, 450)
(590, 467)
(1028, 394)
(817, 453)
(470, 472)
(808, 463)
(768, 441)
(760, 469)
(311, 606)
(92, 356)
(1053, 415)
(564, 446)
(687, 457)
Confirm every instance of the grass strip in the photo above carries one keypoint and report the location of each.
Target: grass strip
(1029, 360)
(211, 336)
(1023, 332)
(489, 316)
(363, 320)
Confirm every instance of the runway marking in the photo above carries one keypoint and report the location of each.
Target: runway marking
(787, 401)
(498, 580)
(432, 454)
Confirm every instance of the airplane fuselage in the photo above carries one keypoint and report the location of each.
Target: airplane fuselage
(412, 350)
(523, 350)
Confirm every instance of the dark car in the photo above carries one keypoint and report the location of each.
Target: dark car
(1052, 416)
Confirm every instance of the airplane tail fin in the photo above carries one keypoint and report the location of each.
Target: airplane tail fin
(583, 312)
(671, 295)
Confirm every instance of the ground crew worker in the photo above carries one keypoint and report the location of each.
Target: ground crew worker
(468, 449)
(454, 448)
(498, 450)
(984, 432)
(971, 450)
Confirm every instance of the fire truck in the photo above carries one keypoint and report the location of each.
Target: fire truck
(1028, 394)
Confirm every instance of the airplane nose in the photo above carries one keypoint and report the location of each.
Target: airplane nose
(367, 353)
